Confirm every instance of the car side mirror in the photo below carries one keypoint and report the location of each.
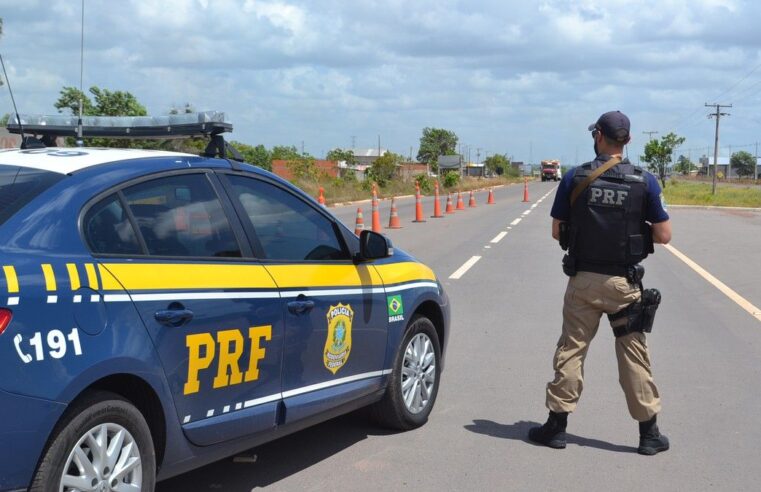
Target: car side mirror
(373, 246)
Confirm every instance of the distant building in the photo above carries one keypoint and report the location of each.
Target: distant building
(366, 157)
(474, 170)
(705, 166)
(450, 163)
(409, 170)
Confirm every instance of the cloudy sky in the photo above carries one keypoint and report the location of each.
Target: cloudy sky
(520, 78)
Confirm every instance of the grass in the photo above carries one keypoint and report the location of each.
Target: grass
(338, 191)
(681, 192)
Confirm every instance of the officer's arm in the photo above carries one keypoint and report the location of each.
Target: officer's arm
(556, 229)
(661, 232)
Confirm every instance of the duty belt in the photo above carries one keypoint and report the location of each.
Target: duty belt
(618, 270)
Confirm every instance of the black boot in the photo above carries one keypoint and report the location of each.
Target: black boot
(651, 441)
(552, 433)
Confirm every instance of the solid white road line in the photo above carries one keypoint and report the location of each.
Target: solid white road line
(734, 296)
(465, 267)
(499, 237)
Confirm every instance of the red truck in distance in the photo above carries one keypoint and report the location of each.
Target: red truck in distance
(551, 170)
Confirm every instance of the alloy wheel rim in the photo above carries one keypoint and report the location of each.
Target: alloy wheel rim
(418, 373)
(105, 459)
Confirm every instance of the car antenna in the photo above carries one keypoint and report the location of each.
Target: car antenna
(80, 141)
(13, 100)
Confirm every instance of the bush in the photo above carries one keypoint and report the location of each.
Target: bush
(451, 179)
(424, 182)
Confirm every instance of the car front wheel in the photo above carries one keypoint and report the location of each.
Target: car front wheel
(414, 379)
(103, 444)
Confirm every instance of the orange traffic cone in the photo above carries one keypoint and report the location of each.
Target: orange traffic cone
(436, 202)
(472, 201)
(450, 207)
(393, 221)
(460, 204)
(359, 225)
(376, 213)
(490, 199)
(321, 197)
(525, 189)
(418, 205)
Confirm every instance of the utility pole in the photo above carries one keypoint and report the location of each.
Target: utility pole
(755, 165)
(718, 114)
(650, 135)
(353, 141)
(729, 164)
(478, 155)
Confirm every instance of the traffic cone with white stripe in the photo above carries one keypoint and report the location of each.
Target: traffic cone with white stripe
(450, 207)
(472, 201)
(490, 199)
(321, 196)
(460, 203)
(359, 225)
(418, 205)
(436, 202)
(393, 220)
(376, 213)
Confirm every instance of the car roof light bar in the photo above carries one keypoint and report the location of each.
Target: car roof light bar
(162, 127)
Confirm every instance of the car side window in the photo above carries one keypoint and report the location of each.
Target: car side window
(108, 230)
(181, 216)
(287, 227)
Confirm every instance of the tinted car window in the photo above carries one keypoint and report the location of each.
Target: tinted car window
(181, 216)
(20, 185)
(287, 227)
(108, 230)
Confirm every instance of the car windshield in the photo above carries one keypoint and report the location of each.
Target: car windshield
(20, 185)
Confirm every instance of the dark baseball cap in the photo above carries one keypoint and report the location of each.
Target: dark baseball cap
(613, 124)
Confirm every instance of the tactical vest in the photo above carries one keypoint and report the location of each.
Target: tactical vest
(607, 224)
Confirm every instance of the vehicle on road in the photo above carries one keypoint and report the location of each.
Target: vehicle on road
(161, 310)
(550, 170)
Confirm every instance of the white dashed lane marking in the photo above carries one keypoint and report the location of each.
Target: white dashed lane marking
(499, 237)
(515, 222)
(465, 267)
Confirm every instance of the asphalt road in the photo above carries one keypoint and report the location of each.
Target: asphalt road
(705, 349)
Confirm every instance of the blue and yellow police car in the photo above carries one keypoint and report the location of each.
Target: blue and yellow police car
(161, 310)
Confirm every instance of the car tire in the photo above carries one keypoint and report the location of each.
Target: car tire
(415, 374)
(100, 417)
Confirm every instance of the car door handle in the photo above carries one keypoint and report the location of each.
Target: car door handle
(173, 317)
(300, 307)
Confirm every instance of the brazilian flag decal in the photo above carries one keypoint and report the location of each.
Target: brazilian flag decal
(395, 308)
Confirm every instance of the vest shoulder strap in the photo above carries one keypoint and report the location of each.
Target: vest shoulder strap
(579, 188)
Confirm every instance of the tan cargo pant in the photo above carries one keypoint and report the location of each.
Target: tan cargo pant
(587, 297)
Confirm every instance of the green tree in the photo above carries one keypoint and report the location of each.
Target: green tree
(256, 155)
(497, 164)
(4, 119)
(342, 155)
(743, 162)
(1, 35)
(107, 103)
(436, 142)
(684, 165)
(281, 152)
(658, 154)
(383, 169)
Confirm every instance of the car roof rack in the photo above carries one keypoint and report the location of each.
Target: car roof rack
(210, 124)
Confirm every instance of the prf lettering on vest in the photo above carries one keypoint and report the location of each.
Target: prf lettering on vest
(202, 351)
(609, 197)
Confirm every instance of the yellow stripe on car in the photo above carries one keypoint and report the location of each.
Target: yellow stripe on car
(92, 277)
(47, 271)
(73, 276)
(10, 279)
(324, 275)
(396, 273)
(157, 276)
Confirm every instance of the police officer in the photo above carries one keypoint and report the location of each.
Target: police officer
(607, 213)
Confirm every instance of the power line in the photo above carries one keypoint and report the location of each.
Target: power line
(650, 135)
(718, 114)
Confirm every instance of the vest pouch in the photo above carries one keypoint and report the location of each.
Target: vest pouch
(636, 245)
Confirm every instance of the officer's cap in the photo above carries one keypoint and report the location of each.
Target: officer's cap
(613, 124)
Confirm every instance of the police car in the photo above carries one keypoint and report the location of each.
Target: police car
(160, 311)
